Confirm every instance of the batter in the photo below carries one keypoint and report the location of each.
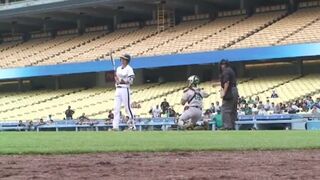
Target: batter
(124, 77)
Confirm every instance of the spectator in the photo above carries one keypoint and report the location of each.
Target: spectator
(217, 107)
(257, 100)
(21, 124)
(261, 110)
(129, 122)
(315, 111)
(255, 109)
(267, 106)
(306, 104)
(247, 109)
(41, 122)
(242, 100)
(272, 107)
(250, 101)
(125, 119)
(309, 101)
(164, 106)
(69, 113)
(212, 108)
(260, 105)
(135, 104)
(50, 122)
(282, 107)
(292, 108)
(110, 115)
(156, 112)
(317, 103)
(274, 94)
(30, 125)
(83, 119)
(295, 106)
(49, 118)
(277, 109)
(171, 112)
(305, 107)
(207, 114)
(301, 102)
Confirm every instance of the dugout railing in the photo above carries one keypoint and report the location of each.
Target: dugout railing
(293, 121)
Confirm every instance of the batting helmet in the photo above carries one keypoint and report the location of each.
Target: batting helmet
(193, 80)
(126, 57)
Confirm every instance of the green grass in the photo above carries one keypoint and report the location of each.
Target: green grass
(92, 142)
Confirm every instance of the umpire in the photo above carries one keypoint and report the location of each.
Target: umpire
(229, 95)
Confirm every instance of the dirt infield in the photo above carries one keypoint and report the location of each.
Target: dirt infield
(185, 165)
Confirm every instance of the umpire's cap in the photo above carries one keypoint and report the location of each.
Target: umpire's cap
(225, 62)
(126, 57)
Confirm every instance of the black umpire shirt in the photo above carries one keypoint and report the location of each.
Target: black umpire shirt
(228, 75)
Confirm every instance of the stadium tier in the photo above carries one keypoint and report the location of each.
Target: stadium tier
(301, 26)
(162, 39)
(237, 32)
(263, 28)
(96, 102)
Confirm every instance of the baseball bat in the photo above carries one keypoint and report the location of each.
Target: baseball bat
(112, 61)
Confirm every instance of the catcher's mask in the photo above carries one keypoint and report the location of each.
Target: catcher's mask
(193, 81)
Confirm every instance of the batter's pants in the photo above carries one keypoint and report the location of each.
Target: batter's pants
(122, 97)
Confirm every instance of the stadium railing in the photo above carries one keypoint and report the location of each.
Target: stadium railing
(296, 121)
(313, 125)
(26, 3)
(151, 123)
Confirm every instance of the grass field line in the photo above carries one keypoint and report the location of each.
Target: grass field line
(99, 142)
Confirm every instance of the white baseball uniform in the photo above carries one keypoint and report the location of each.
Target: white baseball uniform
(194, 97)
(122, 95)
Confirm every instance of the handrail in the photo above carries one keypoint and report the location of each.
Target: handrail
(26, 3)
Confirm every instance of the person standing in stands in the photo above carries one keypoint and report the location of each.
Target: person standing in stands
(110, 115)
(217, 107)
(123, 77)
(274, 94)
(156, 112)
(69, 113)
(164, 106)
(229, 95)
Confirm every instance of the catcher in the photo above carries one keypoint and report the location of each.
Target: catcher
(193, 96)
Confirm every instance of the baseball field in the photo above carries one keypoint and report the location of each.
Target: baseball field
(160, 155)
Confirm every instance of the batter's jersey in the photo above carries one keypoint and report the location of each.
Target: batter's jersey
(194, 97)
(125, 74)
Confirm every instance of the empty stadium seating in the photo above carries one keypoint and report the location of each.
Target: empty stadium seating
(196, 36)
(237, 32)
(286, 31)
(231, 29)
(150, 45)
